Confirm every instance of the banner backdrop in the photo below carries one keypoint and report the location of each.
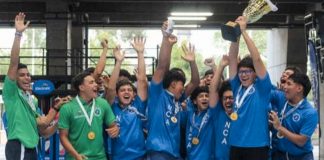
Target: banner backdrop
(314, 73)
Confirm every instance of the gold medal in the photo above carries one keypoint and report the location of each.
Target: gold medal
(234, 116)
(195, 140)
(174, 119)
(279, 135)
(91, 135)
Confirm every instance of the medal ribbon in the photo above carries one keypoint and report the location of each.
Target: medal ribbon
(176, 104)
(238, 101)
(29, 99)
(133, 109)
(88, 118)
(202, 123)
(283, 115)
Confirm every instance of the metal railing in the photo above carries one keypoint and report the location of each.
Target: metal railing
(42, 61)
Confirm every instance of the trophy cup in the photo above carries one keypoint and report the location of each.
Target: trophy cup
(253, 12)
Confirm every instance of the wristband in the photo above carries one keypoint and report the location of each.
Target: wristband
(18, 34)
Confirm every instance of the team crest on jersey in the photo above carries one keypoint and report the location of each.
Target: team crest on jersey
(296, 117)
(252, 90)
(97, 111)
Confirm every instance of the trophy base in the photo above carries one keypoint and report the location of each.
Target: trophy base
(231, 31)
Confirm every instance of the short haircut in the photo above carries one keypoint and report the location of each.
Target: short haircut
(246, 62)
(225, 86)
(125, 73)
(79, 79)
(295, 69)
(197, 91)
(21, 65)
(123, 83)
(90, 70)
(173, 75)
(179, 70)
(302, 79)
(210, 71)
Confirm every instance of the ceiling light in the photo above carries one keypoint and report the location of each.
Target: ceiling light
(191, 13)
(187, 18)
(186, 26)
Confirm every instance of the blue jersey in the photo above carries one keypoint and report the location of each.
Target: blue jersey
(277, 99)
(203, 121)
(131, 143)
(222, 125)
(302, 121)
(251, 128)
(164, 121)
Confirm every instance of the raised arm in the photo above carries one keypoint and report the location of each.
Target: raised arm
(139, 45)
(260, 69)
(163, 65)
(100, 67)
(15, 50)
(189, 56)
(233, 58)
(213, 87)
(111, 88)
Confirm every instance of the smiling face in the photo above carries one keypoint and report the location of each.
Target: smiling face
(292, 89)
(227, 101)
(125, 95)
(208, 79)
(285, 75)
(246, 75)
(24, 79)
(202, 101)
(89, 87)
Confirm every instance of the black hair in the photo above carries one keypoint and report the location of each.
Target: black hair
(197, 91)
(246, 62)
(125, 73)
(178, 70)
(21, 65)
(90, 70)
(210, 71)
(225, 86)
(79, 79)
(295, 69)
(123, 83)
(173, 75)
(302, 79)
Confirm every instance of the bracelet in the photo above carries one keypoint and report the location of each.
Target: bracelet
(18, 34)
(56, 109)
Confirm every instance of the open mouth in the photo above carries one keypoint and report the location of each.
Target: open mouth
(126, 97)
(204, 103)
(282, 81)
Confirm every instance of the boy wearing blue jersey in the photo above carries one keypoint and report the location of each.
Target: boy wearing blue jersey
(249, 132)
(222, 122)
(165, 96)
(199, 131)
(295, 121)
(129, 107)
